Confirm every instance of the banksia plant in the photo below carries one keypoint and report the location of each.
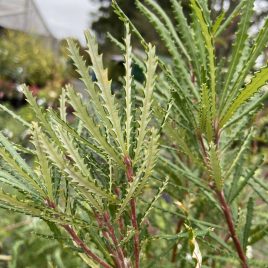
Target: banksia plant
(86, 179)
(184, 135)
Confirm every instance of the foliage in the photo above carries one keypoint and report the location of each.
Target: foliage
(167, 165)
(25, 243)
(24, 59)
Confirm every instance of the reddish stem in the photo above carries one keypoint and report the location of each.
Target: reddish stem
(111, 232)
(121, 220)
(78, 241)
(130, 173)
(228, 216)
(114, 253)
(83, 246)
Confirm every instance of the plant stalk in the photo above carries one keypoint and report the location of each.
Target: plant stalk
(78, 241)
(84, 247)
(130, 174)
(228, 216)
(105, 234)
(111, 233)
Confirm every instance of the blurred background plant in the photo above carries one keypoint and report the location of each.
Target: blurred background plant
(25, 59)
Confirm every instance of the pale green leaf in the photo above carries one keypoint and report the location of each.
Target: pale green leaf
(144, 120)
(259, 79)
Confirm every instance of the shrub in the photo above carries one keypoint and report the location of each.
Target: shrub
(184, 136)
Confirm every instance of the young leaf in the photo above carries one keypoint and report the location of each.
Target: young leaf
(205, 116)
(208, 39)
(215, 168)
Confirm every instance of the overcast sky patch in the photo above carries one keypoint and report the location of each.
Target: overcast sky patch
(68, 18)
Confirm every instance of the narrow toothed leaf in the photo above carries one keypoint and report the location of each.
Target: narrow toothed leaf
(240, 43)
(230, 18)
(209, 43)
(215, 168)
(234, 162)
(151, 153)
(218, 22)
(169, 25)
(104, 85)
(82, 113)
(62, 108)
(42, 162)
(237, 187)
(259, 45)
(128, 85)
(129, 195)
(186, 33)
(205, 116)
(75, 134)
(15, 161)
(144, 120)
(153, 202)
(17, 183)
(26, 207)
(259, 80)
(76, 177)
(15, 116)
(83, 71)
(179, 66)
(72, 151)
(40, 115)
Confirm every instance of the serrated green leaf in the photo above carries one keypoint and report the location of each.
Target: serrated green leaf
(17, 183)
(76, 135)
(169, 25)
(215, 168)
(230, 18)
(104, 85)
(83, 70)
(82, 113)
(259, 45)
(128, 85)
(205, 116)
(15, 116)
(41, 116)
(260, 78)
(144, 172)
(239, 45)
(250, 175)
(144, 119)
(14, 160)
(62, 108)
(153, 202)
(186, 33)
(218, 22)
(42, 161)
(77, 178)
(208, 39)
(180, 69)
